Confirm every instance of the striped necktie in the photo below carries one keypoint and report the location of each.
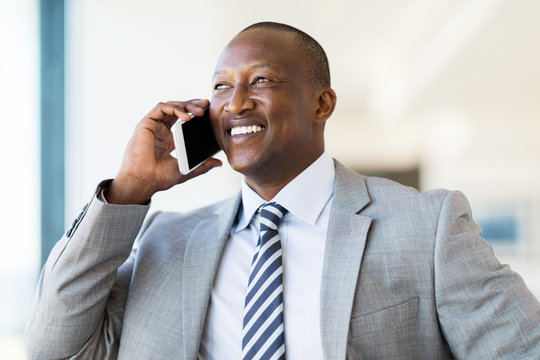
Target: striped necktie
(263, 336)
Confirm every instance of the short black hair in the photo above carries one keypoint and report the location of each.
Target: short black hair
(315, 57)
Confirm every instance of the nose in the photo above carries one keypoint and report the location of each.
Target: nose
(239, 101)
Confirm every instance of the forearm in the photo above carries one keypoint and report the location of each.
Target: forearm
(74, 292)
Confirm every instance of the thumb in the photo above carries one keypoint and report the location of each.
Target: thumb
(201, 169)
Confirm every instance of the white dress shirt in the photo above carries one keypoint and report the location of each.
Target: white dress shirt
(303, 231)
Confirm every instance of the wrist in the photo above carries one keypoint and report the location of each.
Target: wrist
(127, 192)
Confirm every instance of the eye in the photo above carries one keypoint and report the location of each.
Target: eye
(221, 86)
(260, 80)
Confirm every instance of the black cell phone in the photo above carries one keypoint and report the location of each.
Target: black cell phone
(195, 141)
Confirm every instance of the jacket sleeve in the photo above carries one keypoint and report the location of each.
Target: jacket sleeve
(79, 305)
(485, 309)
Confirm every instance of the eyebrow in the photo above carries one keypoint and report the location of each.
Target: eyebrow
(254, 66)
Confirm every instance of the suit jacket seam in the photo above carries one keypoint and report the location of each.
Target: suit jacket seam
(435, 243)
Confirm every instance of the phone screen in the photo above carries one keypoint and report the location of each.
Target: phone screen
(199, 139)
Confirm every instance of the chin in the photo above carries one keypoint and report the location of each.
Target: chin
(243, 163)
(242, 167)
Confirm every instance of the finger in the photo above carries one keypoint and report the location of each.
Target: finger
(195, 106)
(159, 129)
(202, 103)
(168, 113)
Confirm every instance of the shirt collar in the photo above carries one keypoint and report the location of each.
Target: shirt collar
(305, 196)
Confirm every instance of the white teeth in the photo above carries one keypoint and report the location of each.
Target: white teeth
(242, 130)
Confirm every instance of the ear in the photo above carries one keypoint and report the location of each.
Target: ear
(326, 103)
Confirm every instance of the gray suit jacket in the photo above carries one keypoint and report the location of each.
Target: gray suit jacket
(406, 276)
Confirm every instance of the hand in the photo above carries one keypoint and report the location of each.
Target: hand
(147, 166)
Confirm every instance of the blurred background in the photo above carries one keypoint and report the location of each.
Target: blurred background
(432, 93)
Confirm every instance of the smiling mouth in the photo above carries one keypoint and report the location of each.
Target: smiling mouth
(244, 130)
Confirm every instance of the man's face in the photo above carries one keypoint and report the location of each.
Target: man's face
(263, 105)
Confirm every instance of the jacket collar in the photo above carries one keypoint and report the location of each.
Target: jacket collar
(345, 244)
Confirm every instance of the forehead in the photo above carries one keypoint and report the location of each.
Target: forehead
(276, 49)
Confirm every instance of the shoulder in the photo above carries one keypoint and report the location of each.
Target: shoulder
(441, 203)
(391, 203)
(385, 193)
(404, 208)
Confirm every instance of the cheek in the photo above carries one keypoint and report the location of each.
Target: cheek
(291, 116)
(283, 115)
(216, 111)
(217, 127)
(214, 108)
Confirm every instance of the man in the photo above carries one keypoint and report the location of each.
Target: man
(355, 267)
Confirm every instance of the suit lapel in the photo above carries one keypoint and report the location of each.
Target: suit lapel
(345, 242)
(201, 260)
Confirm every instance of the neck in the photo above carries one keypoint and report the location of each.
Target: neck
(270, 182)
(267, 190)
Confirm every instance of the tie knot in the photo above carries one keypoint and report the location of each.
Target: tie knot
(271, 215)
